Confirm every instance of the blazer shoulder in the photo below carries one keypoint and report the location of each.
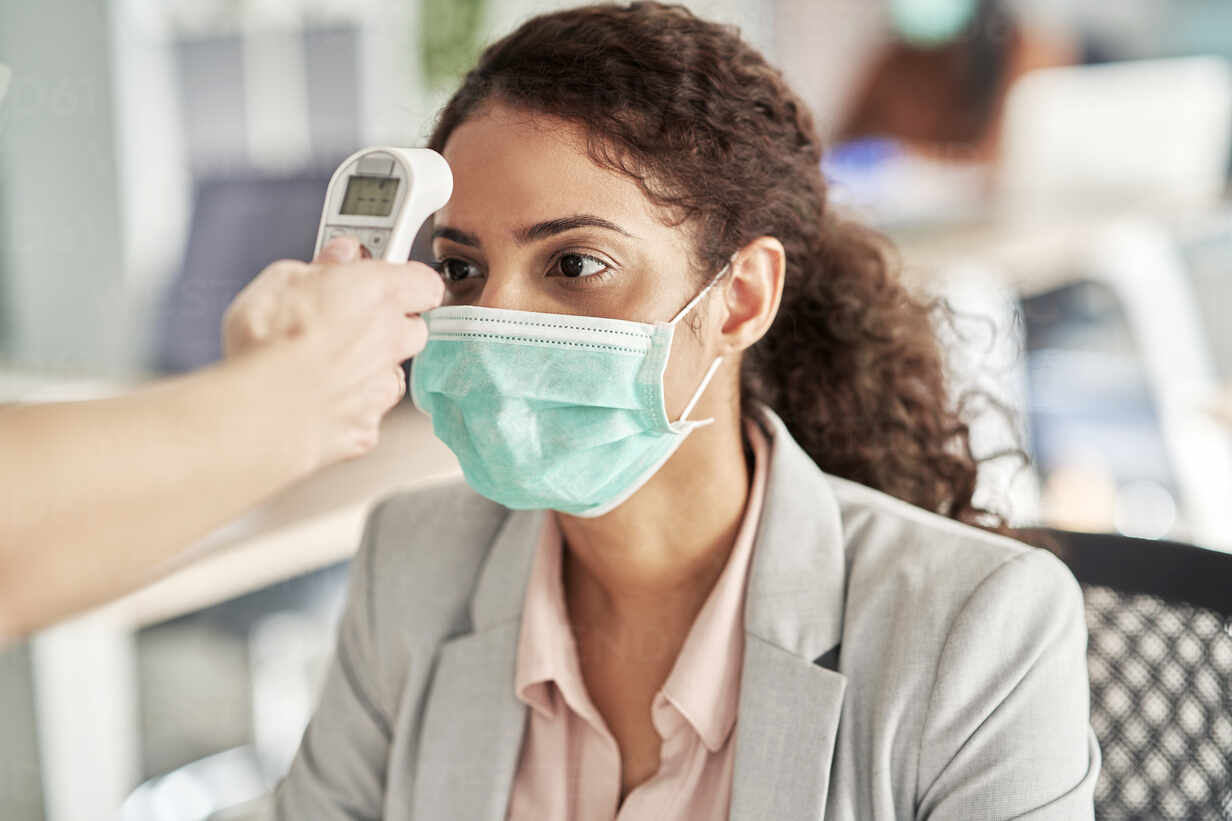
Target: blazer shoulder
(448, 510)
(902, 559)
(884, 530)
(940, 619)
(422, 551)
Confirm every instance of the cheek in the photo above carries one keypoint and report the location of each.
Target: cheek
(685, 368)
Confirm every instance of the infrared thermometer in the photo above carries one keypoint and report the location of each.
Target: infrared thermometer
(381, 196)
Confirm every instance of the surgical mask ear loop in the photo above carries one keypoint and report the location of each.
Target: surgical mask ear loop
(714, 366)
(718, 360)
(698, 298)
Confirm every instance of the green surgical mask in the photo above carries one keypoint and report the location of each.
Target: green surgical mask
(552, 411)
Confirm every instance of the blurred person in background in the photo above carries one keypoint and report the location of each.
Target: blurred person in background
(730, 570)
(938, 87)
(919, 143)
(99, 494)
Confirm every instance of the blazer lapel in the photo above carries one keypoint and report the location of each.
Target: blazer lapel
(472, 729)
(785, 732)
(473, 722)
(791, 694)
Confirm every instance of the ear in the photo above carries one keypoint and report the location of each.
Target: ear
(752, 296)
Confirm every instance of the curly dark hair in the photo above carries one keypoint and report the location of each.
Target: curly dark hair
(712, 132)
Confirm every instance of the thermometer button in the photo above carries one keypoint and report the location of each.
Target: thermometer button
(376, 241)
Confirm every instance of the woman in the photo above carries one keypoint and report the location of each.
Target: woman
(775, 605)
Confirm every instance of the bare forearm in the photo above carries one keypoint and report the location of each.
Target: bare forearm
(94, 496)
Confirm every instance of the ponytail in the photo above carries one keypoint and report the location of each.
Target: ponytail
(853, 367)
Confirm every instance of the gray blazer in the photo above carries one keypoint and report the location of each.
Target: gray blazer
(897, 664)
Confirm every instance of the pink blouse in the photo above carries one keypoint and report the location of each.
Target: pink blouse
(569, 767)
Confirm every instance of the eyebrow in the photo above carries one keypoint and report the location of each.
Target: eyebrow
(454, 235)
(538, 231)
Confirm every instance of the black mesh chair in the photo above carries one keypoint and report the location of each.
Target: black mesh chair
(1159, 619)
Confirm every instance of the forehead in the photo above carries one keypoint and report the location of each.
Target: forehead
(513, 167)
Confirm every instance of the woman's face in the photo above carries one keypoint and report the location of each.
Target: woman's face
(535, 225)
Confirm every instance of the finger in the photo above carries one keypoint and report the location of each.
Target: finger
(416, 288)
(409, 287)
(400, 377)
(272, 280)
(399, 386)
(386, 393)
(290, 314)
(247, 318)
(410, 337)
(339, 250)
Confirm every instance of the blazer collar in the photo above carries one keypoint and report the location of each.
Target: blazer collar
(790, 693)
(795, 595)
(473, 722)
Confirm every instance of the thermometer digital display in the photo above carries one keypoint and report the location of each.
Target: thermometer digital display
(369, 196)
(381, 196)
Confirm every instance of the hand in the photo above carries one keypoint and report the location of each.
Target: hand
(347, 324)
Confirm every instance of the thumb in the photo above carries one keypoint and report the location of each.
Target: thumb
(339, 250)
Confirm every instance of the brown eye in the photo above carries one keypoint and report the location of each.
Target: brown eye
(579, 265)
(456, 270)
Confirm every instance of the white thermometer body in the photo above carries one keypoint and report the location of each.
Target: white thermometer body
(381, 196)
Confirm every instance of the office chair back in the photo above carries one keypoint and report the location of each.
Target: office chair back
(1159, 653)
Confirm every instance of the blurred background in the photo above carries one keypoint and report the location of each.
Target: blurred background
(1056, 171)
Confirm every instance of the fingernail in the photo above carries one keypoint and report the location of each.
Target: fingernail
(341, 249)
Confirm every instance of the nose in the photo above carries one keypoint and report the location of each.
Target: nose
(502, 291)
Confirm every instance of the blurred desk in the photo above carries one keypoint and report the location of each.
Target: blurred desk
(312, 524)
(1026, 258)
(85, 668)
(1031, 256)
